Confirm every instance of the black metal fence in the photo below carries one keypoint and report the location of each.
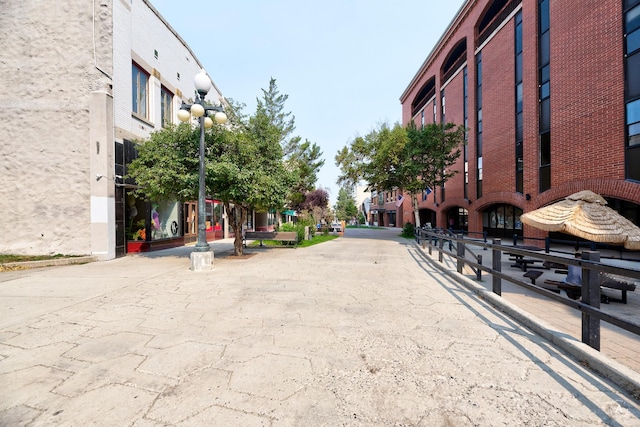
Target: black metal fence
(458, 248)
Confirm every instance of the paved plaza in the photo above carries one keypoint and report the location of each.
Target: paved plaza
(358, 331)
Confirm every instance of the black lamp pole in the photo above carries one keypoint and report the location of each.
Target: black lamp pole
(202, 111)
(202, 245)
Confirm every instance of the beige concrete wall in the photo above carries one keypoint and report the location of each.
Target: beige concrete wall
(101, 153)
(53, 56)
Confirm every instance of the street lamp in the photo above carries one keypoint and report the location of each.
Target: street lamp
(202, 256)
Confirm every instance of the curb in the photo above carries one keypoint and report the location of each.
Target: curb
(619, 374)
(47, 263)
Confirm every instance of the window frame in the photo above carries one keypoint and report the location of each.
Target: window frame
(139, 92)
(166, 106)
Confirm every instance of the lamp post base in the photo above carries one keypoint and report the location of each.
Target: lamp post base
(201, 261)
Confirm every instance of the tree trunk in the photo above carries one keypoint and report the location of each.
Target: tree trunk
(416, 211)
(237, 216)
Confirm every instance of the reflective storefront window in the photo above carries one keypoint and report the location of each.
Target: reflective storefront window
(165, 220)
(502, 221)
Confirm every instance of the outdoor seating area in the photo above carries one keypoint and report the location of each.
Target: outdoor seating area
(575, 291)
(533, 275)
(282, 236)
(547, 292)
(523, 263)
(553, 280)
(520, 261)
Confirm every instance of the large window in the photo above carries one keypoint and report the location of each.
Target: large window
(166, 98)
(456, 57)
(502, 221)
(427, 92)
(479, 123)
(632, 86)
(519, 106)
(493, 16)
(465, 107)
(443, 119)
(139, 91)
(544, 78)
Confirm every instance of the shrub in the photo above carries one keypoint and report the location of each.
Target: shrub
(409, 230)
(298, 228)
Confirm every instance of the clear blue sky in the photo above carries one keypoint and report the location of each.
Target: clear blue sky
(343, 63)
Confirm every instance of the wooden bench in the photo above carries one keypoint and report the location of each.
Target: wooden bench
(575, 291)
(282, 236)
(551, 264)
(621, 286)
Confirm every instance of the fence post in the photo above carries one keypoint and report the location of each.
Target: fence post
(591, 296)
(515, 239)
(479, 272)
(484, 237)
(440, 248)
(497, 266)
(460, 253)
(547, 244)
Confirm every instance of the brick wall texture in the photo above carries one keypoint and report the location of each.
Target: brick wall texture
(587, 106)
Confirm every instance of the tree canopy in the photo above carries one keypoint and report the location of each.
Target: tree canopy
(303, 159)
(409, 159)
(244, 163)
(345, 205)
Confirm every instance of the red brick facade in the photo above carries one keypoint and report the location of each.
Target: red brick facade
(587, 108)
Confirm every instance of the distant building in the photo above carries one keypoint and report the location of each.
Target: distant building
(550, 94)
(387, 208)
(363, 201)
(81, 82)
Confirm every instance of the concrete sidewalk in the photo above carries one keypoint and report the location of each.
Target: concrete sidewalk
(617, 344)
(358, 331)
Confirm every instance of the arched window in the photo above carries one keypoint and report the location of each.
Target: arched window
(492, 16)
(454, 60)
(427, 92)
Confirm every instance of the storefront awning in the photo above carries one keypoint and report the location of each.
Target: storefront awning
(289, 212)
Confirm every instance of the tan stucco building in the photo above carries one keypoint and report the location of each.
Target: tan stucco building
(81, 81)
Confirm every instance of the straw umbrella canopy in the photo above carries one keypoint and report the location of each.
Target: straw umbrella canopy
(586, 214)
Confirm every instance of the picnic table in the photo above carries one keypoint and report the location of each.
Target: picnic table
(523, 263)
(520, 260)
(608, 282)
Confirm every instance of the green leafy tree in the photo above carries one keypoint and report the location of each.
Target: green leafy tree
(167, 164)
(305, 161)
(272, 105)
(345, 205)
(375, 158)
(244, 167)
(249, 171)
(428, 156)
(408, 159)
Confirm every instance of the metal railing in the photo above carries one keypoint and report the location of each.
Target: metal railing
(590, 263)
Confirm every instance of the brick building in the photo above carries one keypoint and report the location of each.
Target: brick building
(550, 94)
(81, 82)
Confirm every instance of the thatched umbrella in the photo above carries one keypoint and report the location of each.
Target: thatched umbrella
(585, 214)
